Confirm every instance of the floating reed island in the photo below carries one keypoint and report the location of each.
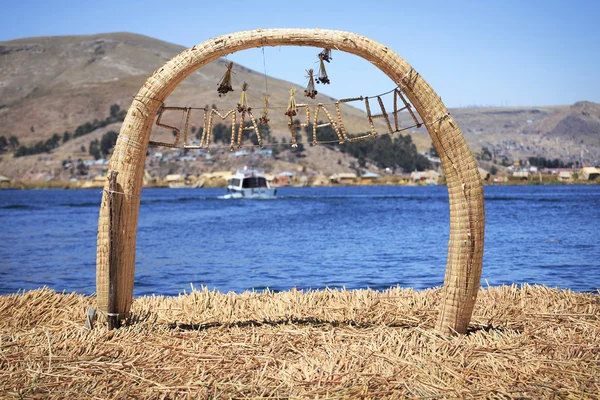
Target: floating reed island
(523, 342)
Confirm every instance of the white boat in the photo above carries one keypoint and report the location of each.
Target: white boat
(249, 184)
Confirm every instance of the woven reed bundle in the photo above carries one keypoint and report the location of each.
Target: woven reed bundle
(530, 342)
(465, 249)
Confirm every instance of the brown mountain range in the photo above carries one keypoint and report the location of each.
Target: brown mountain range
(569, 133)
(54, 84)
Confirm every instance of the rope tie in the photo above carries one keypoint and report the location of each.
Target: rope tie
(123, 193)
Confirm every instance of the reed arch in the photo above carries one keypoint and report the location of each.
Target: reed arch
(115, 259)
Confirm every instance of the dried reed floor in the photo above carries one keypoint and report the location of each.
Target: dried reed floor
(530, 342)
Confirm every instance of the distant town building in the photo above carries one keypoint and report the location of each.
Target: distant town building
(522, 174)
(428, 177)
(343, 178)
(589, 173)
(240, 153)
(320, 180)
(175, 180)
(565, 176)
(485, 175)
(265, 153)
(369, 177)
(4, 181)
(223, 175)
(283, 178)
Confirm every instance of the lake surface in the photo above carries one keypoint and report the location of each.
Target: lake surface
(353, 237)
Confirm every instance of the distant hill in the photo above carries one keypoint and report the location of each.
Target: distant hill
(54, 84)
(51, 85)
(569, 133)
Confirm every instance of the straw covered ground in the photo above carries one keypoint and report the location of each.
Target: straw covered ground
(529, 342)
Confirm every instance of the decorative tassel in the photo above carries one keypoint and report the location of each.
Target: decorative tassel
(323, 78)
(243, 104)
(325, 55)
(292, 109)
(225, 84)
(264, 119)
(310, 89)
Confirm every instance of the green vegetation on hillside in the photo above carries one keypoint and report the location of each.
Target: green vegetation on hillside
(102, 147)
(116, 115)
(222, 133)
(542, 162)
(39, 147)
(384, 151)
(397, 153)
(9, 144)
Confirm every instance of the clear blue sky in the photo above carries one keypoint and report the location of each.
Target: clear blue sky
(512, 52)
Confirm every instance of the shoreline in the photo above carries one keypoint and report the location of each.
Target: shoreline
(68, 185)
(529, 341)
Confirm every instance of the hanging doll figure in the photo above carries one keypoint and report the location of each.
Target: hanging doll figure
(224, 85)
(264, 118)
(325, 55)
(292, 109)
(243, 104)
(310, 89)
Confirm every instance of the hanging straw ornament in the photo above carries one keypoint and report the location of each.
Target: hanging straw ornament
(325, 55)
(225, 83)
(264, 118)
(292, 109)
(310, 89)
(243, 104)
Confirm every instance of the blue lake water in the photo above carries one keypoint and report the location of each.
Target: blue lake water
(353, 237)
